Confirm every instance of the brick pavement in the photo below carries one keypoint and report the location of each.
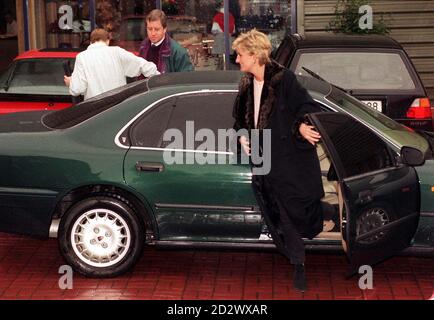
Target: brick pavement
(29, 270)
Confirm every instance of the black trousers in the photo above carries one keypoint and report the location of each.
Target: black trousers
(277, 217)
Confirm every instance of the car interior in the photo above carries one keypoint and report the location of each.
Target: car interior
(330, 201)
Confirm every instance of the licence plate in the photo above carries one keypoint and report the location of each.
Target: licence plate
(374, 104)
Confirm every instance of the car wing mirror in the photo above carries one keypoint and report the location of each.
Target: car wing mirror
(412, 156)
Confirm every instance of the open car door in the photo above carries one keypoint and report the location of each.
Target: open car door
(381, 199)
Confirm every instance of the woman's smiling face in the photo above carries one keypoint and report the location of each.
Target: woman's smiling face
(245, 60)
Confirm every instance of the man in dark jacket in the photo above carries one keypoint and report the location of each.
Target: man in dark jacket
(159, 48)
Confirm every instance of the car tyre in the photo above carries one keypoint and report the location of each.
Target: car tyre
(101, 237)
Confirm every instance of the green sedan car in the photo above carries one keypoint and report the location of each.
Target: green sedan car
(106, 177)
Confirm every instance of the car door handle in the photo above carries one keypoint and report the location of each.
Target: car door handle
(149, 166)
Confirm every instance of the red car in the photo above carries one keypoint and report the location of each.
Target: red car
(34, 81)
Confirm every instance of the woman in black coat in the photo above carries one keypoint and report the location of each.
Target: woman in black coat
(270, 97)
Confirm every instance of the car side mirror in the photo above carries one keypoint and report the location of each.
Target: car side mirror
(412, 156)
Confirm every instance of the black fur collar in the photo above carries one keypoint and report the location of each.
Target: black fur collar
(272, 79)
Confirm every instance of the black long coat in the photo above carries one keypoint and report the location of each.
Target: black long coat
(294, 182)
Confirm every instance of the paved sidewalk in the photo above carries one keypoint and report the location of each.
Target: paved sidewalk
(29, 270)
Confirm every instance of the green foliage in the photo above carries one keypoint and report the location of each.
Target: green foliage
(347, 18)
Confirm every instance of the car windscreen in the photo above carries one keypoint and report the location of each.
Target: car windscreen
(358, 70)
(35, 76)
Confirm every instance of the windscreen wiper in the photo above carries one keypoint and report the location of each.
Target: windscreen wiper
(317, 76)
(9, 80)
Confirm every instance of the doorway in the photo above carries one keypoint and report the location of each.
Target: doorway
(8, 33)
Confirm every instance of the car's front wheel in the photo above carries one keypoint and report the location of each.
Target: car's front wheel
(101, 237)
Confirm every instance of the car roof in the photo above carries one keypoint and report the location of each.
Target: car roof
(68, 117)
(195, 78)
(343, 40)
(48, 53)
(219, 77)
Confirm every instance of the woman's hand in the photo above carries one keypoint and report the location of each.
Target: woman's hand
(309, 133)
(245, 144)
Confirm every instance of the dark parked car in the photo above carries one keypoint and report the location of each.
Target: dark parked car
(375, 69)
(97, 176)
(34, 81)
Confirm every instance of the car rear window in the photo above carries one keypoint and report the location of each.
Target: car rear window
(69, 117)
(35, 76)
(358, 70)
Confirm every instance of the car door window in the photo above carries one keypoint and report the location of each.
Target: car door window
(148, 130)
(207, 111)
(358, 148)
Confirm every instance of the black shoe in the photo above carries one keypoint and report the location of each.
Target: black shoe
(299, 277)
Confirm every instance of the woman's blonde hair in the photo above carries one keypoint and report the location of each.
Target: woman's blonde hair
(254, 42)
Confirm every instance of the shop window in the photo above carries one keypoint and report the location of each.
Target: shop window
(77, 33)
(8, 33)
(109, 14)
(271, 17)
(195, 24)
(189, 23)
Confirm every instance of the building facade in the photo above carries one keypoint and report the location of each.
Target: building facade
(42, 24)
